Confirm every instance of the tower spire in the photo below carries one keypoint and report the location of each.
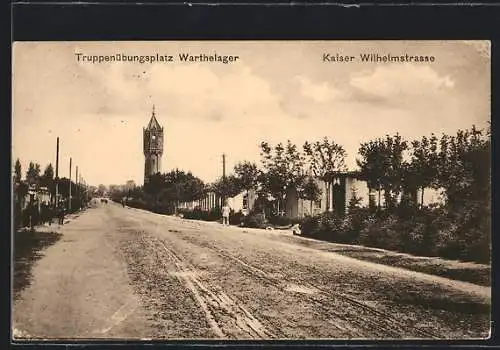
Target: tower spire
(153, 110)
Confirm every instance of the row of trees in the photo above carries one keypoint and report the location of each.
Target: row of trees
(165, 191)
(35, 179)
(458, 164)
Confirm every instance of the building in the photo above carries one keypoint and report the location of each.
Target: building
(344, 186)
(336, 197)
(153, 147)
(243, 202)
(130, 185)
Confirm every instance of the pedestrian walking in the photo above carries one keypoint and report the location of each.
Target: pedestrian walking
(32, 215)
(61, 213)
(44, 213)
(225, 214)
(50, 214)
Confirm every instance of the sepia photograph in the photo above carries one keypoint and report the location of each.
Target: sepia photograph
(241, 190)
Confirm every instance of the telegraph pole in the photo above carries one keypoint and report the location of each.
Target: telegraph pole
(224, 166)
(77, 188)
(57, 174)
(223, 179)
(69, 202)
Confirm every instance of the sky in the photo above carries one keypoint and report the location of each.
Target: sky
(276, 91)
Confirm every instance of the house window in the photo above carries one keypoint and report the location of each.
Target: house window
(318, 204)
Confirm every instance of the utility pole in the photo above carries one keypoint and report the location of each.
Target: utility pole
(77, 188)
(69, 202)
(223, 199)
(57, 174)
(224, 166)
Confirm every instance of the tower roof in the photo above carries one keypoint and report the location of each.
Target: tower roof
(153, 123)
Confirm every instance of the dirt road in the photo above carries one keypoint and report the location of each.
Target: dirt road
(126, 273)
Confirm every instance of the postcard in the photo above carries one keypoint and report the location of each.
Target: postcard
(235, 190)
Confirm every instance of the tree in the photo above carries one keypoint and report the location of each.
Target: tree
(423, 168)
(228, 187)
(155, 184)
(325, 158)
(382, 166)
(354, 201)
(21, 189)
(101, 190)
(17, 171)
(247, 175)
(283, 169)
(179, 186)
(47, 179)
(464, 166)
(193, 189)
(64, 187)
(310, 191)
(33, 174)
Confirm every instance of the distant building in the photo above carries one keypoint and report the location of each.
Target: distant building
(113, 188)
(130, 185)
(153, 147)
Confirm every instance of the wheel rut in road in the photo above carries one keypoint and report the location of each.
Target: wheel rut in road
(228, 318)
(227, 262)
(367, 317)
(225, 315)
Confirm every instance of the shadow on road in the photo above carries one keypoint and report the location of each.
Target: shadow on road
(433, 299)
(28, 248)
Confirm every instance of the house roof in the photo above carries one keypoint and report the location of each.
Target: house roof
(344, 174)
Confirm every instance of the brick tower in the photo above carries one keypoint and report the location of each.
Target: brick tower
(153, 147)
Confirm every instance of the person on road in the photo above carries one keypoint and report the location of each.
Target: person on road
(123, 202)
(44, 217)
(32, 215)
(61, 213)
(225, 214)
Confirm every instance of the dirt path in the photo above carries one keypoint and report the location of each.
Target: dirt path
(79, 287)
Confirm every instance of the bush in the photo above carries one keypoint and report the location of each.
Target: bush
(214, 214)
(354, 222)
(254, 220)
(310, 226)
(279, 220)
(466, 234)
(328, 226)
(383, 233)
(195, 214)
(198, 214)
(137, 203)
(236, 218)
